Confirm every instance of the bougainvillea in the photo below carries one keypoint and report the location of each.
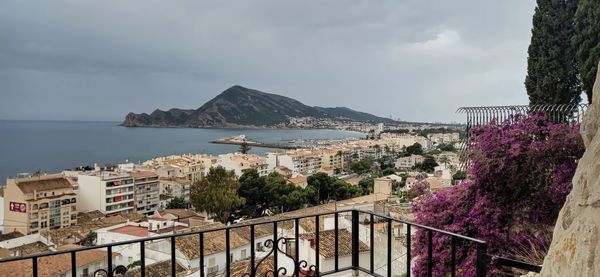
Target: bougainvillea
(519, 176)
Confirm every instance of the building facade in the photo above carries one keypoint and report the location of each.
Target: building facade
(147, 191)
(39, 203)
(106, 191)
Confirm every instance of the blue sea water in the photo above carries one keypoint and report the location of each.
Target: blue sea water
(51, 146)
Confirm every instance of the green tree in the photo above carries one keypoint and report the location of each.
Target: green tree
(323, 188)
(361, 166)
(244, 147)
(217, 194)
(587, 43)
(551, 65)
(177, 203)
(459, 175)
(252, 188)
(366, 184)
(428, 164)
(415, 149)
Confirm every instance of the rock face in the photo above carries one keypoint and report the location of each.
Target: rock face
(575, 248)
(238, 106)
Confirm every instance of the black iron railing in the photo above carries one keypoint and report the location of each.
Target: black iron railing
(278, 244)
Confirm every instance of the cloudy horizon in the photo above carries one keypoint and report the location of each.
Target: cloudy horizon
(413, 60)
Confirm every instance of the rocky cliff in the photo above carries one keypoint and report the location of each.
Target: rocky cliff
(238, 106)
(575, 248)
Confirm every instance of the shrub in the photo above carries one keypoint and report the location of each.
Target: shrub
(519, 177)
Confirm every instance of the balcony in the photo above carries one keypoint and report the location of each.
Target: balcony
(340, 243)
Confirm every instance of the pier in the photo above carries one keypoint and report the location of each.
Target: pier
(255, 144)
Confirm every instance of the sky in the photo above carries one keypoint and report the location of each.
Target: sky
(416, 60)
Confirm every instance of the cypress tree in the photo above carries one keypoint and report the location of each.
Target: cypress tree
(551, 65)
(587, 42)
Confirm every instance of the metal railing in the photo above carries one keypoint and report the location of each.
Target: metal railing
(277, 244)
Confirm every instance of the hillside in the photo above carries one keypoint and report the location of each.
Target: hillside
(239, 106)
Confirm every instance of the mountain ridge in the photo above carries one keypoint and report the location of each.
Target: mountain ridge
(239, 106)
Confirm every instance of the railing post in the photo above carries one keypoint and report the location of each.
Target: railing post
(481, 259)
(355, 240)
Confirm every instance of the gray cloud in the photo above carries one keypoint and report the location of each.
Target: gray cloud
(413, 59)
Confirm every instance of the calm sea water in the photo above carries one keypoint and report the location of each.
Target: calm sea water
(28, 146)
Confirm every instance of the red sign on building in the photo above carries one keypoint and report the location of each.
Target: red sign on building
(18, 207)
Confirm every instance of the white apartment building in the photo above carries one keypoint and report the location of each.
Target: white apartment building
(175, 187)
(106, 191)
(408, 162)
(305, 162)
(147, 191)
(444, 137)
(241, 162)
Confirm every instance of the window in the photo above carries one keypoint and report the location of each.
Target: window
(85, 272)
(231, 257)
(211, 261)
(243, 254)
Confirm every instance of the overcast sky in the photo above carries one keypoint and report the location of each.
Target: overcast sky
(411, 59)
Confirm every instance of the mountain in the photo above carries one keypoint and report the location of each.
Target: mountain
(238, 106)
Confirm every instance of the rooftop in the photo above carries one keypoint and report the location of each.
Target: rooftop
(52, 265)
(136, 231)
(327, 243)
(43, 183)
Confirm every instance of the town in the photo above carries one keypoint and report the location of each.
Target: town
(96, 205)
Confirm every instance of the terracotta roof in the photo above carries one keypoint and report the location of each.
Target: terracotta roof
(30, 248)
(239, 268)
(11, 235)
(327, 243)
(53, 265)
(136, 231)
(142, 174)
(158, 269)
(181, 213)
(43, 183)
(261, 230)
(81, 229)
(135, 217)
(89, 216)
(214, 242)
(298, 180)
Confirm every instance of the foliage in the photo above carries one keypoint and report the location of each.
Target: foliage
(587, 43)
(459, 175)
(275, 194)
(388, 171)
(361, 166)
(415, 149)
(134, 264)
(252, 189)
(216, 194)
(177, 203)
(282, 194)
(244, 147)
(551, 65)
(418, 189)
(446, 147)
(323, 188)
(366, 185)
(428, 164)
(501, 202)
(89, 239)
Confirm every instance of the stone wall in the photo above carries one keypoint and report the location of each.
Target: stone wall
(575, 249)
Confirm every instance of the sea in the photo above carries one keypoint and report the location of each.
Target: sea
(51, 146)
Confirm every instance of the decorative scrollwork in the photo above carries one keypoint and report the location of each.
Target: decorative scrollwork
(303, 265)
(117, 270)
(281, 271)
